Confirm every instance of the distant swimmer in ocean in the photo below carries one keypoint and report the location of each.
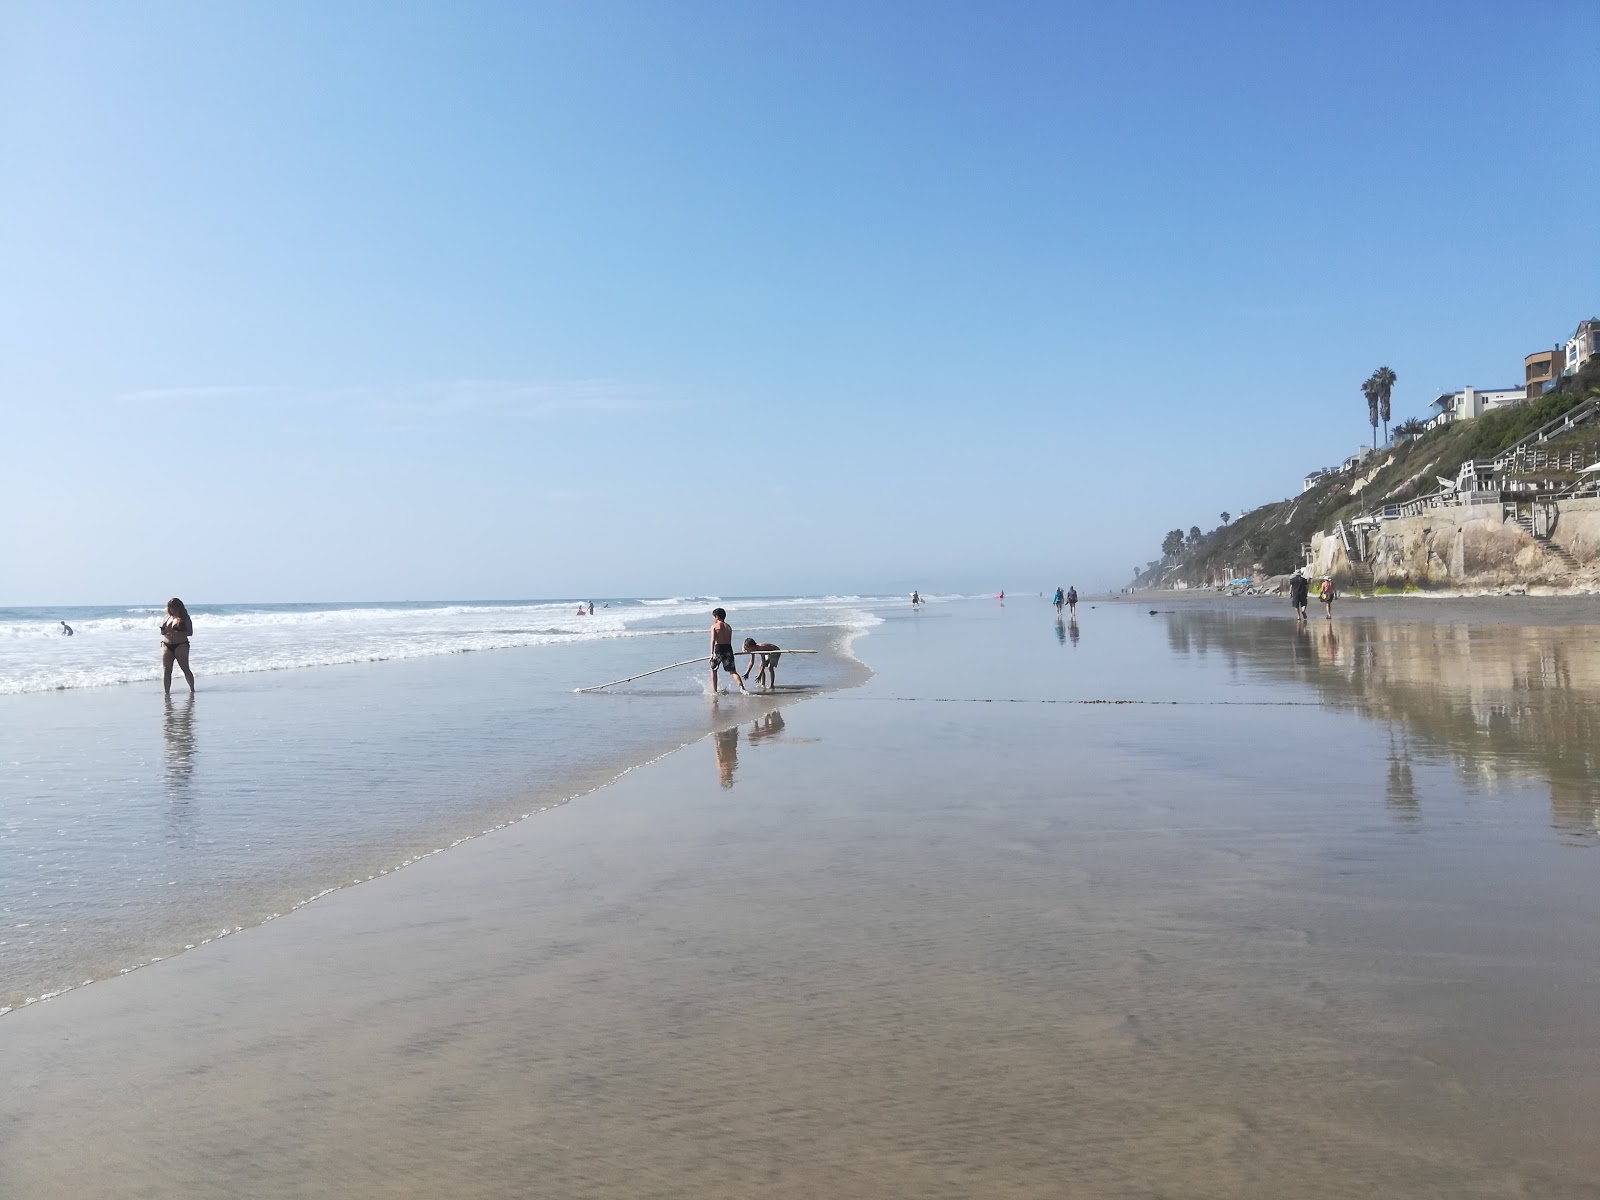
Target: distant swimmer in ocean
(1058, 600)
(1072, 602)
(66, 629)
(769, 662)
(176, 631)
(591, 608)
(722, 649)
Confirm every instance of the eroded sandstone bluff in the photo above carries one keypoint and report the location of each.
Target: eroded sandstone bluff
(1476, 546)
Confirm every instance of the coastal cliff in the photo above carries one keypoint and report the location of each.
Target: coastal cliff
(1534, 525)
(1474, 548)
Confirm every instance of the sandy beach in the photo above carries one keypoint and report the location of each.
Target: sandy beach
(1184, 905)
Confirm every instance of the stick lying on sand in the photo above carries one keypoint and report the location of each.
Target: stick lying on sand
(703, 659)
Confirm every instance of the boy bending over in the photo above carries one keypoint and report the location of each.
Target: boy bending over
(769, 653)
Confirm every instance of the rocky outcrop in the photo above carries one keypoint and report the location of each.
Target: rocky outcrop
(1475, 547)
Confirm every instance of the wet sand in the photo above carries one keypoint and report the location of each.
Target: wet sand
(954, 933)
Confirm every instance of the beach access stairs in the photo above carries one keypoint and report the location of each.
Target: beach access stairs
(1521, 455)
(1357, 546)
(1361, 580)
(1531, 527)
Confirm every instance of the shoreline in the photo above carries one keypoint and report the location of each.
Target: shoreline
(450, 807)
(1199, 595)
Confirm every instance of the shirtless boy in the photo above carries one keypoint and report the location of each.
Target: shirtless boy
(769, 662)
(722, 649)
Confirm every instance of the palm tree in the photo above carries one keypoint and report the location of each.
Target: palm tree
(1369, 389)
(1383, 380)
(1224, 518)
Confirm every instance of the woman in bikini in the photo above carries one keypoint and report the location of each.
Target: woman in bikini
(176, 631)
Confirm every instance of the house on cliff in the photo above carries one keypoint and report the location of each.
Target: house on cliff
(1471, 403)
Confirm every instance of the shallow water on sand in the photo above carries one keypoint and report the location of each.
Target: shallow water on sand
(1300, 916)
(132, 827)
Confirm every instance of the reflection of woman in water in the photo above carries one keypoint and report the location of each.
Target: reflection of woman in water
(176, 631)
(178, 729)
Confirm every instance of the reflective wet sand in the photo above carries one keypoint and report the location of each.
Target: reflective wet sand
(952, 934)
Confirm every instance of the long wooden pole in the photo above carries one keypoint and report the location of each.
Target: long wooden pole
(704, 658)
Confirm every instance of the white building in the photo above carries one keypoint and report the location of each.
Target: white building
(1315, 478)
(1356, 459)
(1471, 403)
(1583, 345)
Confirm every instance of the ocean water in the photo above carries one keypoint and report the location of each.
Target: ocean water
(112, 645)
(327, 744)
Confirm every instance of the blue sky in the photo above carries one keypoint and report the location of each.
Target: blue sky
(360, 301)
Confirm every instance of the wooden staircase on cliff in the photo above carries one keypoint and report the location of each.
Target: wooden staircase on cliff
(1361, 581)
(1551, 550)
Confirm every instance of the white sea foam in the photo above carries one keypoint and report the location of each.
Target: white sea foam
(116, 646)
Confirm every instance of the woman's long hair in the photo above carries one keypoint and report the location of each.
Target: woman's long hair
(175, 608)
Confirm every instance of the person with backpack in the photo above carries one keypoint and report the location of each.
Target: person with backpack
(1325, 593)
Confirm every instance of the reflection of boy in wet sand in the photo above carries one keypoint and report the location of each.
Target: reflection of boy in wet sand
(768, 726)
(722, 649)
(726, 742)
(769, 662)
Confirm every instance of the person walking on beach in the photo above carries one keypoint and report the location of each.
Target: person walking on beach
(722, 650)
(176, 631)
(1326, 594)
(1072, 603)
(769, 662)
(1058, 600)
(1299, 593)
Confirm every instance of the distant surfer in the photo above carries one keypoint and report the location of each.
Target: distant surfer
(1058, 600)
(722, 650)
(66, 629)
(916, 599)
(1299, 594)
(769, 655)
(1072, 602)
(176, 631)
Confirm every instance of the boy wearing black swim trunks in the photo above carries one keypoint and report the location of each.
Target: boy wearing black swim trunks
(722, 649)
